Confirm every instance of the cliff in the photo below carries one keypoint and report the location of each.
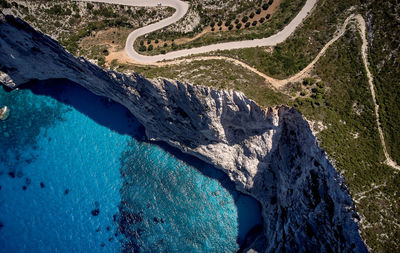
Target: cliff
(269, 154)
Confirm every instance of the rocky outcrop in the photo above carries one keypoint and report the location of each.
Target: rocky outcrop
(4, 113)
(269, 154)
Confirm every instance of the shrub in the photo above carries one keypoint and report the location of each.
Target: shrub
(105, 52)
(89, 6)
(265, 6)
(308, 81)
(105, 12)
(254, 23)
(55, 10)
(252, 15)
(150, 47)
(101, 61)
(5, 4)
(262, 20)
(258, 11)
(247, 24)
(245, 19)
(303, 93)
(163, 51)
(114, 63)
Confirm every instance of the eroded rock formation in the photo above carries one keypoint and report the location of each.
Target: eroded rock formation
(269, 154)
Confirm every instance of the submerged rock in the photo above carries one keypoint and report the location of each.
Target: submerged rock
(270, 154)
(4, 112)
(95, 212)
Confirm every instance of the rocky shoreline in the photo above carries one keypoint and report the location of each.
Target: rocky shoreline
(270, 154)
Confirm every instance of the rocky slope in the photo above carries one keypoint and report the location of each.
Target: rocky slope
(271, 154)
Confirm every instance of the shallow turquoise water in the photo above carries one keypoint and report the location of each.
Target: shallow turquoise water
(75, 175)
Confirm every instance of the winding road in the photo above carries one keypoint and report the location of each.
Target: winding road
(181, 9)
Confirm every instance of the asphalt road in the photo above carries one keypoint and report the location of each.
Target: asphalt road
(181, 9)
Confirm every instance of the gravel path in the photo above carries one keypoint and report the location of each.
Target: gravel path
(364, 50)
(280, 83)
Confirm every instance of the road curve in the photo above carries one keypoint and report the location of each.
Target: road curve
(181, 9)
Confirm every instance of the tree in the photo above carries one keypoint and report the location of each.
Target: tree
(212, 24)
(254, 23)
(156, 41)
(258, 11)
(270, 2)
(142, 48)
(247, 24)
(265, 6)
(219, 23)
(237, 21)
(268, 16)
(238, 26)
(230, 27)
(141, 42)
(252, 15)
(150, 48)
(245, 19)
(262, 20)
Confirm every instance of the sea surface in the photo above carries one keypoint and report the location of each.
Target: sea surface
(77, 175)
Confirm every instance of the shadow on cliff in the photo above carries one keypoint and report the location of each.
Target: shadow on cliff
(117, 118)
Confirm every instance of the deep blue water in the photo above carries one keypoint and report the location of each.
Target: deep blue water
(77, 175)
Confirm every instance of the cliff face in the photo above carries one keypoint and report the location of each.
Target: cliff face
(271, 154)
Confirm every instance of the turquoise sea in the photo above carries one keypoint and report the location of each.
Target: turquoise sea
(77, 175)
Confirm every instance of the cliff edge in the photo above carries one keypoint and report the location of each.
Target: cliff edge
(269, 154)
